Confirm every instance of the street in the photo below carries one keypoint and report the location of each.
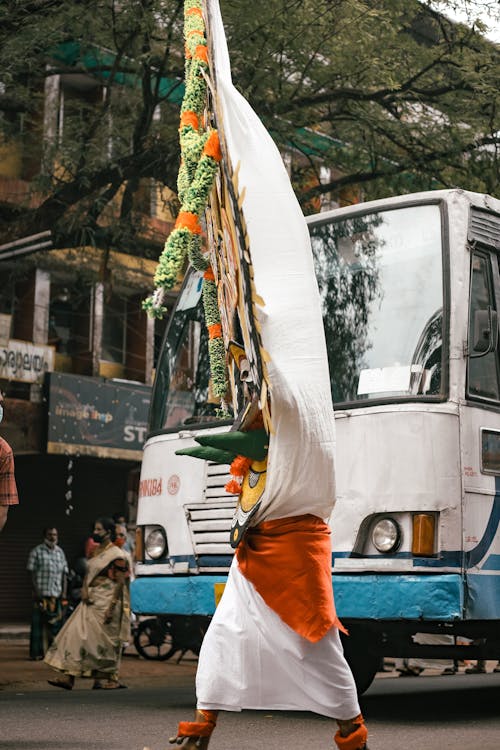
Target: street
(431, 712)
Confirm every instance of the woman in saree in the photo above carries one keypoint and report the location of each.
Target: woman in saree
(90, 642)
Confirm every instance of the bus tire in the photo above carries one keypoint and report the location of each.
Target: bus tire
(153, 639)
(363, 661)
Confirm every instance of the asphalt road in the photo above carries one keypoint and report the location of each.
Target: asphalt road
(431, 713)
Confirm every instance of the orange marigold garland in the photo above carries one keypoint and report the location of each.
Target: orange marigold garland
(240, 466)
(200, 156)
(238, 469)
(198, 165)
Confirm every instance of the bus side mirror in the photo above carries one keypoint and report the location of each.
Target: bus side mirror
(485, 332)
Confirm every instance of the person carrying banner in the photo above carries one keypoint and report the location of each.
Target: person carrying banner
(273, 642)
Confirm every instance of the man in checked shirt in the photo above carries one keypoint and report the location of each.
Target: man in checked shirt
(49, 571)
(8, 489)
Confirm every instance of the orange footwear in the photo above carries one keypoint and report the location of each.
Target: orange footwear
(356, 739)
(196, 734)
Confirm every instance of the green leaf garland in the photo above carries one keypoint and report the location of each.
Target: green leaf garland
(200, 155)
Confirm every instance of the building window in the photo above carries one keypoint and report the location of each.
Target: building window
(61, 319)
(114, 330)
(7, 293)
(69, 317)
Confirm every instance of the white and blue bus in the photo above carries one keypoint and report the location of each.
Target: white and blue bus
(410, 291)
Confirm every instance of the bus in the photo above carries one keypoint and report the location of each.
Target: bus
(410, 294)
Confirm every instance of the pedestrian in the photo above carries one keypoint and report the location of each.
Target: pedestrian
(89, 546)
(8, 489)
(121, 541)
(77, 573)
(480, 667)
(289, 642)
(90, 642)
(273, 643)
(414, 667)
(49, 570)
(129, 543)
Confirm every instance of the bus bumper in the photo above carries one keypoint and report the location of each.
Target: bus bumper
(395, 597)
(175, 595)
(381, 597)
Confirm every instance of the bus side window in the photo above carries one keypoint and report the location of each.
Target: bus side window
(483, 372)
(490, 451)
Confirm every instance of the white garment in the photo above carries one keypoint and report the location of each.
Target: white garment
(251, 659)
(301, 449)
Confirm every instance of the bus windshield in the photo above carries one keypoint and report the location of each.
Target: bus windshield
(381, 286)
(181, 392)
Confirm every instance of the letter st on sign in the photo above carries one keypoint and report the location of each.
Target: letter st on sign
(134, 433)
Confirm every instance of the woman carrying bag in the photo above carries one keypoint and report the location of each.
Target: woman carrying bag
(90, 642)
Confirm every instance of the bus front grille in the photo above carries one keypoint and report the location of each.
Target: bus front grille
(209, 525)
(209, 522)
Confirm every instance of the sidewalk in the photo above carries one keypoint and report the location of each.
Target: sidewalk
(19, 673)
(15, 631)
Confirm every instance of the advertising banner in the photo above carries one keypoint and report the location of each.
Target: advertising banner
(96, 417)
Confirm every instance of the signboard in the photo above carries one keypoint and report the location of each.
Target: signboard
(96, 417)
(26, 362)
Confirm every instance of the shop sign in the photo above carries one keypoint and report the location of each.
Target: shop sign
(96, 417)
(26, 362)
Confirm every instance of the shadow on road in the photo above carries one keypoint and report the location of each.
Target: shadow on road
(429, 699)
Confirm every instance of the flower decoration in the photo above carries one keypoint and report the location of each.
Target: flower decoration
(238, 470)
(200, 157)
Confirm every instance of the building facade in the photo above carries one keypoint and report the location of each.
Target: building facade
(77, 352)
(76, 359)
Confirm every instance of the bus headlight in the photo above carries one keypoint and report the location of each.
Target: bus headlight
(156, 544)
(386, 535)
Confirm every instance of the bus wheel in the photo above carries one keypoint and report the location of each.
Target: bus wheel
(153, 639)
(363, 661)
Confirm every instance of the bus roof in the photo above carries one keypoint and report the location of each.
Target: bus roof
(477, 199)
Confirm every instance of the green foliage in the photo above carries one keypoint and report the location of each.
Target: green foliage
(217, 354)
(408, 102)
(210, 303)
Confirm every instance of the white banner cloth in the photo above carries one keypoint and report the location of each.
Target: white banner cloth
(300, 477)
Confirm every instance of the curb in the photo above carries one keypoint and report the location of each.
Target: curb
(14, 634)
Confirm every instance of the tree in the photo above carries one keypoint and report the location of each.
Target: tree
(390, 95)
(409, 99)
(121, 70)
